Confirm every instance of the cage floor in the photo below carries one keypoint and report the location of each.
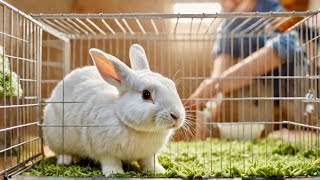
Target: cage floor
(268, 157)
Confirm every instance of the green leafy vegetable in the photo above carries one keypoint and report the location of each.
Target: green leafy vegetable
(9, 80)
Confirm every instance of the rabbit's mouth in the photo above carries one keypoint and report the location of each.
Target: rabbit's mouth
(175, 126)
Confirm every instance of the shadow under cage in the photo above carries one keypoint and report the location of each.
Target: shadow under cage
(267, 128)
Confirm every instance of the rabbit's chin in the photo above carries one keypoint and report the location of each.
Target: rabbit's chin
(150, 128)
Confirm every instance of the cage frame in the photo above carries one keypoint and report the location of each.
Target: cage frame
(66, 38)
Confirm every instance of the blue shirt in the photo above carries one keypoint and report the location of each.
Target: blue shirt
(241, 47)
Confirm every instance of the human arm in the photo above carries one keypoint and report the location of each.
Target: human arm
(256, 64)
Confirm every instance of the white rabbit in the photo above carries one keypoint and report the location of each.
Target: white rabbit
(113, 113)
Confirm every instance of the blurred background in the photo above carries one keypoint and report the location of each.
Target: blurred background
(119, 6)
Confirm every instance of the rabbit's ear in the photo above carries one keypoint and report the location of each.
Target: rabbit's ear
(112, 70)
(138, 58)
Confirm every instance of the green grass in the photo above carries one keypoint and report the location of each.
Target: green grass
(263, 158)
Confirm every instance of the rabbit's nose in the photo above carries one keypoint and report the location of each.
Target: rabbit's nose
(174, 116)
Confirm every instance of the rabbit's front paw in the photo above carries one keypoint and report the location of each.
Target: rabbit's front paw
(109, 170)
(111, 166)
(150, 165)
(157, 169)
(68, 159)
(64, 159)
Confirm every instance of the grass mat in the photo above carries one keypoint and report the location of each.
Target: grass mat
(221, 158)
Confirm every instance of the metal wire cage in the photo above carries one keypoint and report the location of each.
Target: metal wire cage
(20, 57)
(179, 46)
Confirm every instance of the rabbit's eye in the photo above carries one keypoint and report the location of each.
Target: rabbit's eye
(146, 95)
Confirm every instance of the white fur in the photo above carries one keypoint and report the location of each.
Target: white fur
(114, 123)
(138, 58)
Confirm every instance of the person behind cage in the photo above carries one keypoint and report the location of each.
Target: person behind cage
(261, 54)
